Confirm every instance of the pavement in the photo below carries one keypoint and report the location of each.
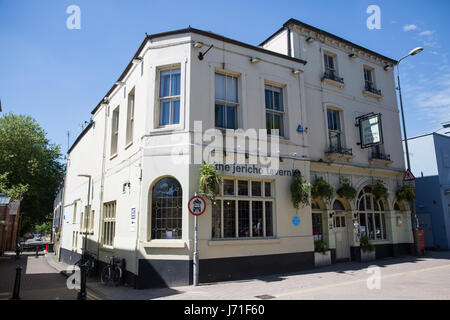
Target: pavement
(404, 278)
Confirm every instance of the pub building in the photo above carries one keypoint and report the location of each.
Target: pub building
(334, 106)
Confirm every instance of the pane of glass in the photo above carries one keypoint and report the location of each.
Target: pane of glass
(232, 89)
(317, 226)
(165, 112)
(378, 226)
(370, 226)
(335, 140)
(219, 86)
(175, 81)
(278, 123)
(164, 89)
(231, 117)
(229, 219)
(269, 97)
(342, 222)
(337, 222)
(243, 188)
(257, 218)
(220, 110)
(362, 224)
(368, 203)
(269, 121)
(228, 187)
(243, 215)
(267, 189)
(175, 111)
(269, 219)
(256, 189)
(383, 225)
(278, 99)
(216, 220)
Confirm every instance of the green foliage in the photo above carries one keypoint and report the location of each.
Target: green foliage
(366, 246)
(209, 181)
(15, 192)
(44, 228)
(322, 189)
(346, 190)
(29, 164)
(320, 246)
(299, 190)
(379, 190)
(405, 193)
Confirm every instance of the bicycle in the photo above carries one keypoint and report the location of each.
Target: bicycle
(88, 260)
(112, 273)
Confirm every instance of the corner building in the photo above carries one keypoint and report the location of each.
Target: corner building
(138, 154)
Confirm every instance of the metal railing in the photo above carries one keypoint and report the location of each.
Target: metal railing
(370, 88)
(329, 74)
(340, 150)
(380, 156)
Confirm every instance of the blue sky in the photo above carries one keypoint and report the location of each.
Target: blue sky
(59, 75)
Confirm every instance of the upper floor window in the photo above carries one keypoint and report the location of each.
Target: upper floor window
(334, 129)
(226, 101)
(169, 96)
(368, 78)
(115, 131)
(130, 117)
(329, 63)
(274, 109)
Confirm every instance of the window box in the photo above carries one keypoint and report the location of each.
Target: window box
(322, 259)
(334, 153)
(368, 255)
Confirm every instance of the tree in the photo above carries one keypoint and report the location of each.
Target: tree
(30, 167)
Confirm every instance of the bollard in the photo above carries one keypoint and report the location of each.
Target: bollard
(37, 251)
(82, 293)
(16, 290)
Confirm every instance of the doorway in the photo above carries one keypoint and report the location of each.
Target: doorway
(340, 231)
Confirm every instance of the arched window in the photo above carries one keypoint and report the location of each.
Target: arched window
(371, 215)
(338, 206)
(166, 209)
(317, 221)
(396, 206)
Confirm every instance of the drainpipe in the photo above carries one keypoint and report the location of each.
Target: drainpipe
(289, 47)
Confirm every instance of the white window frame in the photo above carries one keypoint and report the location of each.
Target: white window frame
(282, 112)
(115, 131)
(226, 102)
(109, 223)
(130, 117)
(170, 97)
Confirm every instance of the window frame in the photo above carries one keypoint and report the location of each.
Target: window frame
(170, 97)
(370, 212)
(281, 113)
(109, 223)
(339, 132)
(236, 198)
(130, 117)
(226, 103)
(115, 117)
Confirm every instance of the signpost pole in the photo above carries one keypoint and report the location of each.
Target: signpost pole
(195, 249)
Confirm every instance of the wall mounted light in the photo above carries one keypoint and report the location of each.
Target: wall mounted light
(105, 101)
(120, 83)
(198, 44)
(387, 67)
(352, 55)
(297, 71)
(309, 39)
(255, 60)
(137, 60)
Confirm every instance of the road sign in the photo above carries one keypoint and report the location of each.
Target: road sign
(408, 176)
(197, 205)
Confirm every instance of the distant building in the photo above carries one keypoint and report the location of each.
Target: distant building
(58, 216)
(9, 223)
(430, 163)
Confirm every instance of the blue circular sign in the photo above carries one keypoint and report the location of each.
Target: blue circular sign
(296, 221)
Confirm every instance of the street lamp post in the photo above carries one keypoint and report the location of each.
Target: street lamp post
(82, 293)
(414, 217)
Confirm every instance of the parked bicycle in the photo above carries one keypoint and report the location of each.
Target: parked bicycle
(112, 273)
(89, 262)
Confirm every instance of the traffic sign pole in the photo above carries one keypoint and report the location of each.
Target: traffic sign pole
(197, 207)
(196, 251)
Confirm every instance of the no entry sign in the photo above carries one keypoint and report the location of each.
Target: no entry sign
(197, 205)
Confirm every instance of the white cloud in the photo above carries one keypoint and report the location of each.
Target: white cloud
(427, 33)
(409, 27)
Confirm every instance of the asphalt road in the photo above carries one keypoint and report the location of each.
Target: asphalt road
(39, 281)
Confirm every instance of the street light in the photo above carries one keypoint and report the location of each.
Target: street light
(414, 218)
(82, 293)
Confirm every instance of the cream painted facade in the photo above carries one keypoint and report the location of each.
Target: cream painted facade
(126, 179)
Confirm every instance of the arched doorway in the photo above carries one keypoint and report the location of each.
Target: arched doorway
(371, 215)
(166, 221)
(340, 231)
(317, 221)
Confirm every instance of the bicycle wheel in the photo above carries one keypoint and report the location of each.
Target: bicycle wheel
(116, 276)
(106, 274)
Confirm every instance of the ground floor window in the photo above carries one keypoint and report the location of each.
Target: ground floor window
(109, 223)
(371, 214)
(244, 209)
(317, 226)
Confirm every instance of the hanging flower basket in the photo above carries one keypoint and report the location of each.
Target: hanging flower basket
(299, 190)
(346, 190)
(209, 181)
(322, 189)
(405, 193)
(379, 190)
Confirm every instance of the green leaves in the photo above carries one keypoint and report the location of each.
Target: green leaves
(209, 182)
(405, 193)
(299, 191)
(366, 246)
(29, 164)
(379, 190)
(322, 189)
(346, 190)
